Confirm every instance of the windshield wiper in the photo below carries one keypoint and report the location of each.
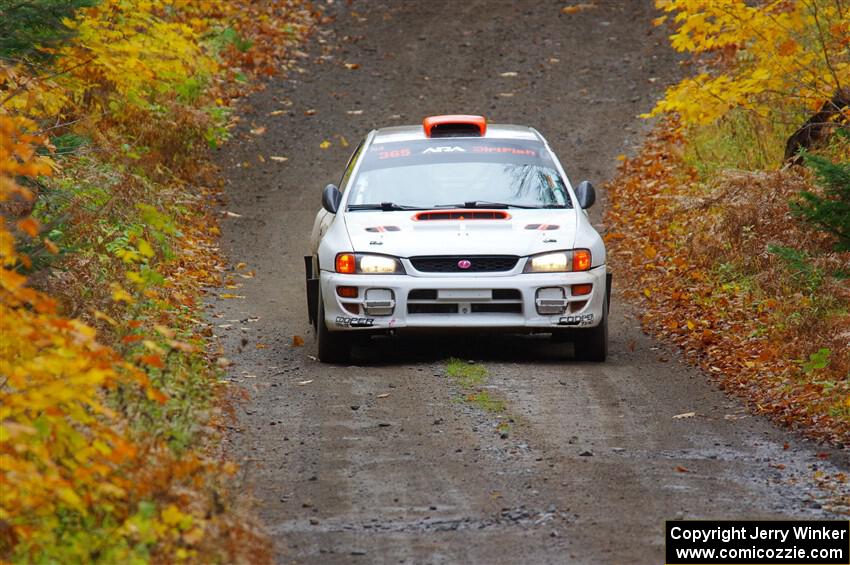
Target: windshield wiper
(484, 204)
(383, 206)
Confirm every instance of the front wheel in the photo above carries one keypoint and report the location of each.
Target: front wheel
(334, 347)
(592, 344)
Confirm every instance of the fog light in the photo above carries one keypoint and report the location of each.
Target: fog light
(379, 302)
(551, 301)
(347, 291)
(351, 308)
(582, 289)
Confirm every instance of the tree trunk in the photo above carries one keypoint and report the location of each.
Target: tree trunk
(818, 127)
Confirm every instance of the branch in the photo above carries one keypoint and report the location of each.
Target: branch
(814, 9)
(23, 86)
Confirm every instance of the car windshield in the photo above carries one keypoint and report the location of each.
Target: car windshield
(455, 172)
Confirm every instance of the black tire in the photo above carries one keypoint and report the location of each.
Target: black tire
(592, 344)
(334, 347)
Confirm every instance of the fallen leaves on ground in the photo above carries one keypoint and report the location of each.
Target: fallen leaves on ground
(695, 257)
(576, 8)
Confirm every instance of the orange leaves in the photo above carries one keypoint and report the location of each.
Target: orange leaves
(11, 281)
(156, 395)
(788, 47)
(576, 8)
(18, 151)
(18, 158)
(152, 360)
(29, 226)
(55, 370)
(51, 247)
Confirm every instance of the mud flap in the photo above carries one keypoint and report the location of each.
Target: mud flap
(312, 290)
(608, 279)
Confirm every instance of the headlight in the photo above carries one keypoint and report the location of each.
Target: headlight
(361, 263)
(548, 263)
(378, 264)
(559, 262)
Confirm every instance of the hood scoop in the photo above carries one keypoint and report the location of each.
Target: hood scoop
(461, 215)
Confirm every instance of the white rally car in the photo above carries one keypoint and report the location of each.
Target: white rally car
(456, 224)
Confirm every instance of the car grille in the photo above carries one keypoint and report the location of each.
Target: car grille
(427, 301)
(477, 263)
(498, 294)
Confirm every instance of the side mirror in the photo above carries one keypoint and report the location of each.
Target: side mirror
(586, 194)
(331, 198)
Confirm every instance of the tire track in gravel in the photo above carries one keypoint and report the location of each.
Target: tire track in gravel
(343, 476)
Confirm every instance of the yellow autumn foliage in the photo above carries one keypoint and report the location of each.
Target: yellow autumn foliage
(67, 461)
(780, 59)
(121, 48)
(60, 447)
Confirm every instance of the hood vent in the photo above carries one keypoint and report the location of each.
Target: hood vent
(462, 215)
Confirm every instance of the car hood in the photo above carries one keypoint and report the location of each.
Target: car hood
(406, 234)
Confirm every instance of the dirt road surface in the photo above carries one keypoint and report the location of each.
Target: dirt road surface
(586, 461)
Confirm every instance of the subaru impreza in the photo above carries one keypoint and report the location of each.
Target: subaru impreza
(456, 224)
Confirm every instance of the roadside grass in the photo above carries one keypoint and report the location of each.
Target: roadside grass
(471, 377)
(738, 142)
(484, 401)
(466, 374)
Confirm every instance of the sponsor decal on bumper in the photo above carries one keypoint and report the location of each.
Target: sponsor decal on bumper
(345, 322)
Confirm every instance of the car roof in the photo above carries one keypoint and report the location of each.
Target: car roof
(416, 132)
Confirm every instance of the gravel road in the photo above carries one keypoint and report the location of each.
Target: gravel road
(586, 461)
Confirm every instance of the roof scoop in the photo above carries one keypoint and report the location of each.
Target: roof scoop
(455, 125)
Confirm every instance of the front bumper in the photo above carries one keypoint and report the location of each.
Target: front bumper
(511, 303)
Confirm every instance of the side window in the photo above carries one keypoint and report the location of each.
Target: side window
(350, 166)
